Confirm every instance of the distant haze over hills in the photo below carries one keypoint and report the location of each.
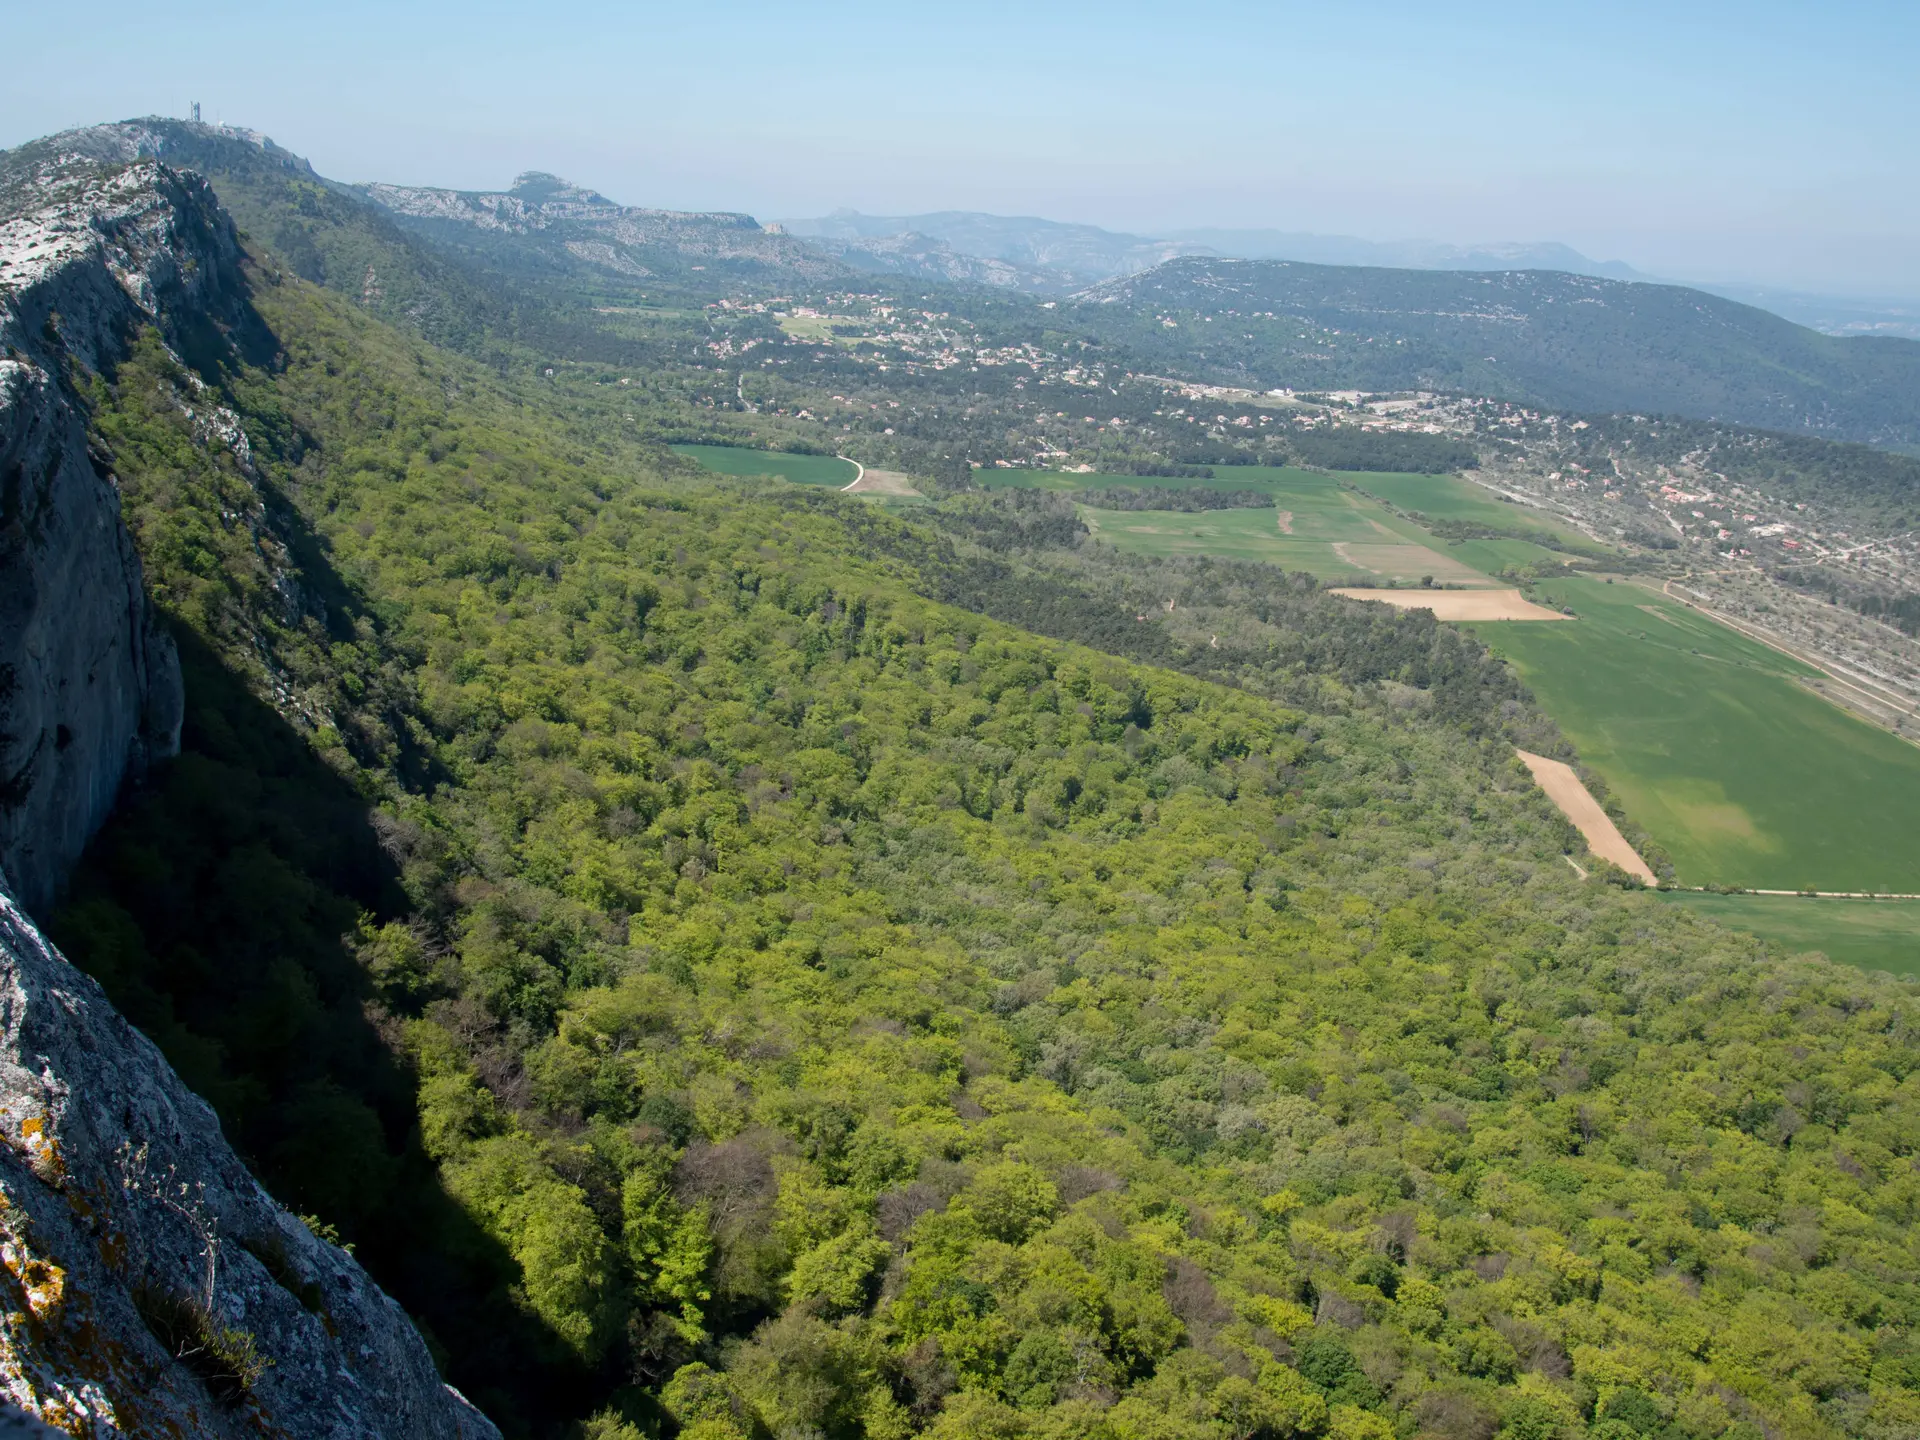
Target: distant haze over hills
(1090, 254)
(544, 263)
(1042, 251)
(1406, 254)
(1028, 253)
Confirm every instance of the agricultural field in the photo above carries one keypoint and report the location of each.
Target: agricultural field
(1317, 525)
(800, 469)
(1479, 604)
(814, 329)
(1493, 556)
(1714, 745)
(1447, 497)
(1873, 934)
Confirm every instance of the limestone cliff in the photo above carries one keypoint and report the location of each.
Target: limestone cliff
(148, 1285)
(89, 685)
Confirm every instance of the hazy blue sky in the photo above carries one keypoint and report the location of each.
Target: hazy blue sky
(1764, 141)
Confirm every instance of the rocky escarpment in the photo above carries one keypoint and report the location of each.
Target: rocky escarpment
(148, 1285)
(545, 215)
(89, 684)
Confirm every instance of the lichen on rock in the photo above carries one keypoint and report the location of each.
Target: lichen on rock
(148, 1285)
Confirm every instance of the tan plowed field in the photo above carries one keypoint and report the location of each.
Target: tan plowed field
(1460, 604)
(1603, 837)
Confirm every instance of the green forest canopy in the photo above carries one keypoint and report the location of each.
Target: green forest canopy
(812, 1008)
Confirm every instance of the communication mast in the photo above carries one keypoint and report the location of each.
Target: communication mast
(196, 112)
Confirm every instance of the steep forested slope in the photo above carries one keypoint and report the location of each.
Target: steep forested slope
(776, 1002)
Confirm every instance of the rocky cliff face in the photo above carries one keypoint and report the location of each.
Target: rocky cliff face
(148, 1285)
(543, 214)
(89, 685)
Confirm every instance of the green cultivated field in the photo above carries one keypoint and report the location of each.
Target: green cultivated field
(1446, 497)
(1873, 934)
(1315, 526)
(1710, 743)
(1494, 556)
(800, 469)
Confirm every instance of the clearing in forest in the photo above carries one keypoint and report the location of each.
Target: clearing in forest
(1459, 604)
(1710, 741)
(1576, 802)
(881, 482)
(776, 464)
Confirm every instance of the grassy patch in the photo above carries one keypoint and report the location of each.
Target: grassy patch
(1873, 934)
(816, 329)
(1713, 745)
(227, 1360)
(800, 469)
(1318, 525)
(1446, 497)
(1494, 556)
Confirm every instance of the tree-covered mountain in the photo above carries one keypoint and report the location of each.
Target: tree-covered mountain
(726, 980)
(1538, 337)
(741, 964)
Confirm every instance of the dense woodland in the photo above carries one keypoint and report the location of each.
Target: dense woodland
(1192, 500)
(737, 964)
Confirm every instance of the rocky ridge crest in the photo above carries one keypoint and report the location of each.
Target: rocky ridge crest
(148, 1285)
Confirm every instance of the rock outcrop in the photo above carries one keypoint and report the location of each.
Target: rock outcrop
(89, 684)
(148, 1285)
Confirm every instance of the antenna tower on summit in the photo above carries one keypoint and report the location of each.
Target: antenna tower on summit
(196, 112)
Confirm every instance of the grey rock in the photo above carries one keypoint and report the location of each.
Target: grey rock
(89, 682)
(148, 1284)
(129, 1232)
(17, 1424)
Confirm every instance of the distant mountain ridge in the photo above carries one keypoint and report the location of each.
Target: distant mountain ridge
(1406, 254)
(921, 257)
(552, 217)
(1535, 336)
(1063, 256)
(1070, 256)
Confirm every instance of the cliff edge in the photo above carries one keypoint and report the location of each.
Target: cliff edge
(89, 682)
(148, 1285)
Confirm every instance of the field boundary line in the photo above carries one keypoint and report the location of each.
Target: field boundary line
(857, 466)
(1799, 894)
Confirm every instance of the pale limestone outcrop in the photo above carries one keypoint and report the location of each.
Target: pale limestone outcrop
(89, 682)
(148, 1285)
(123, 1212)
